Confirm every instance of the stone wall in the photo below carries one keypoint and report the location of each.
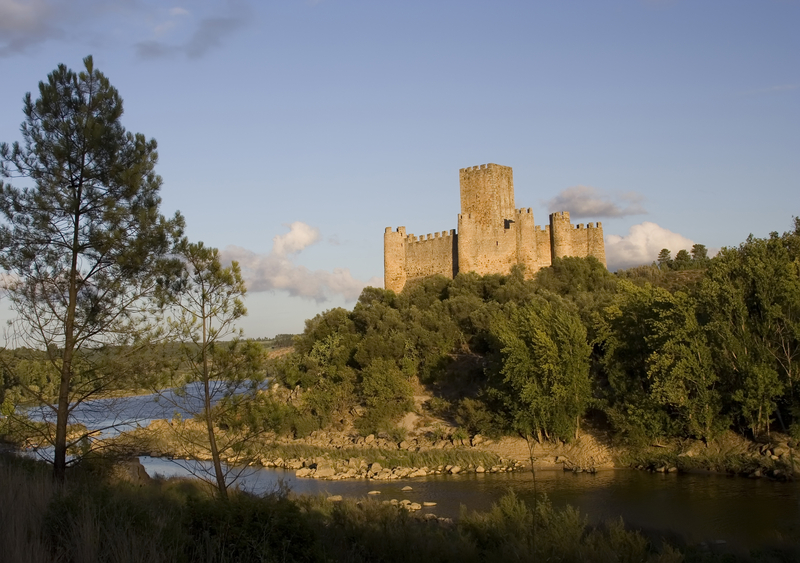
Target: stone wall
(492, 235)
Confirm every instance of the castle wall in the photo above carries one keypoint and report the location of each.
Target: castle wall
(576, 240)
(492, 236)
(432, 254)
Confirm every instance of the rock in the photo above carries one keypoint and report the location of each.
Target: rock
(324, 471)
(430, 516)
(133, 472)
(403, 445)
(303, 472)
(375, 467)
(335, 498)
(480, 469)
(414, 506)
(407, 488)
(428, 503)
(455, 470)
(374, 493)
(672, 469)
(779, 451)
(369, 439)
(477, 439)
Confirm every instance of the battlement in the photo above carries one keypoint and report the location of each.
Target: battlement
(439, 235)
(493, 235)
(488, 166)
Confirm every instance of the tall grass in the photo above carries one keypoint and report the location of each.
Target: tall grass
(181, 521)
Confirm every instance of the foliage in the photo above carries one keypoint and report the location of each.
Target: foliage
(83, 243)
(542, 376)
(179, 521)
(206, 299)
(686, 349)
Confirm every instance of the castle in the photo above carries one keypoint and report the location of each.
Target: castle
(492, 236)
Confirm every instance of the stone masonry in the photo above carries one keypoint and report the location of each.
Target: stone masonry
(492, 236)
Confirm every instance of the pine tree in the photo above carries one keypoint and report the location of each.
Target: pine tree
(83, 242)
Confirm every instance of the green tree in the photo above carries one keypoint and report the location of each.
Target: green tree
(699, 255)
(751, 296)
(680, 367)
(542, 376)
(682, 260)
(207, 300)
(83, 242)
(664, 259)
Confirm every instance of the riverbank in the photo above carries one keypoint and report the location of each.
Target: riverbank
(338, 455)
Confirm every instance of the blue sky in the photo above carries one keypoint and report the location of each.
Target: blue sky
(291, 133)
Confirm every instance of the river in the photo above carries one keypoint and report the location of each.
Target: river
(717, 509)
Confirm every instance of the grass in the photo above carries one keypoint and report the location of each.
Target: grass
(387, 458)
(89, 520)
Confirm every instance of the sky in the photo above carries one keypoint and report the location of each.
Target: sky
(292, 132)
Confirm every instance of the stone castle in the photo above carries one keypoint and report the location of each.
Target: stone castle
(492, 236)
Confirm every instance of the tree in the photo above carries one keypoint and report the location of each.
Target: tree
(664, 259)
(542, 378)
(700, 255)
(207, 301)
(682, 260)
(83, 242)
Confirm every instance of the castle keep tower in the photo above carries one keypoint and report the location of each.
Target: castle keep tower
(492, 236)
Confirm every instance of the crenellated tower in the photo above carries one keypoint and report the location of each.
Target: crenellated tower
(492, 235)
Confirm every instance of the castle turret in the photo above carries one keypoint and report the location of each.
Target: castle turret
(560, 234)
(394, 259)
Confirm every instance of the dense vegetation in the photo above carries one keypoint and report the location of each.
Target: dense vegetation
(91, 520)
(667, 350)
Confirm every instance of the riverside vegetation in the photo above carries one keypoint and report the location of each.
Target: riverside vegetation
(92, 518)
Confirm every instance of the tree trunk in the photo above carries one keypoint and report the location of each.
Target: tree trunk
(62, 412)
(212, 440)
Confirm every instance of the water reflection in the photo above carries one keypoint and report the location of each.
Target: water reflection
(742, 512)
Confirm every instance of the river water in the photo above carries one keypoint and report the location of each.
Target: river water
(731, 511)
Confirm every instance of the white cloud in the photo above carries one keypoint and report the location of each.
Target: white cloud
(642, 244)
(178, 12)
(586, 201)
(277, 271)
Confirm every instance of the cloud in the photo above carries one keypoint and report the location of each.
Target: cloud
(25, 23)
(642, 244)
(209, 33)
(277, 271)
(152, 30)
(772, 89)
(586, 201)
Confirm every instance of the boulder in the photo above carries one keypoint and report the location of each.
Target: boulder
(455, 470)
(480, 469)
(324, 471)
